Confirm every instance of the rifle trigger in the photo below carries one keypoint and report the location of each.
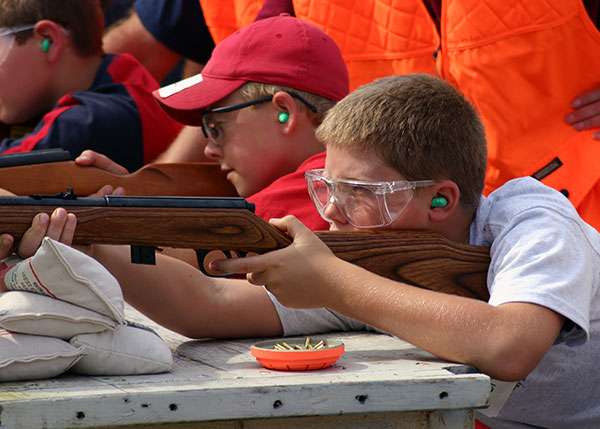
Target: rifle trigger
(143, 255)
(201, 255)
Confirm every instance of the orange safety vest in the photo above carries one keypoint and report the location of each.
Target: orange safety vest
(223, 17)
(376, 37)
(520, 62)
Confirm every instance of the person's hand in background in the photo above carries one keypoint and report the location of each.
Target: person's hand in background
(586, 113)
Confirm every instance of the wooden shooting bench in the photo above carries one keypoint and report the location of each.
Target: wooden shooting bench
(381, 382)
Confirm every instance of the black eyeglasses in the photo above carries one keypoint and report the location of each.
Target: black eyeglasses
(211, 131)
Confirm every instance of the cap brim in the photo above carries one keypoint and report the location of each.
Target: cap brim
(184, 102)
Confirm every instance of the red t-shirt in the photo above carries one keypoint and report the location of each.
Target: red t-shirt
(288, 195)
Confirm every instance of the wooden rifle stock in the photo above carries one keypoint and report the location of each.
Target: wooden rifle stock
(423, 259)
(51, 172)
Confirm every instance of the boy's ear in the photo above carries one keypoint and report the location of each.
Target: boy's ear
(445, 200)
(286, 111)
(52, 39)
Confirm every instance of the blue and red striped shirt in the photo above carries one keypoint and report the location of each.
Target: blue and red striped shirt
(117, 116)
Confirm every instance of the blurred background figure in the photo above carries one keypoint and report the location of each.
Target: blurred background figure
(72, 96)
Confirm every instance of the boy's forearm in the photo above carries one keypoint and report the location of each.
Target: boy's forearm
(145, 286)
(451, 327)
(178, 296)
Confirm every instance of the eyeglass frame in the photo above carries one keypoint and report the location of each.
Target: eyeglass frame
(8, 31)
(243, 105)
(379, 188)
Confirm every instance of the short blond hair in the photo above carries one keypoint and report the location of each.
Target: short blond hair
(253, 90)
(417, 124)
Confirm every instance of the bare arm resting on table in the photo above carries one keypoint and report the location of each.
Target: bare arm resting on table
(307, 274)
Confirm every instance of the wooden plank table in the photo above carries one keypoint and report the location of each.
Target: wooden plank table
(380, 382)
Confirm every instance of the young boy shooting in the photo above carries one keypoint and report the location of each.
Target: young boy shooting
(409, 153)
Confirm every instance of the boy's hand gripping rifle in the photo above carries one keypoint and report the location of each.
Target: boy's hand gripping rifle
(52, 172)
(419, 258)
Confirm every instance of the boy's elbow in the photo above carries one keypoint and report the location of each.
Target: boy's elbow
(513, 371)
(511, 362)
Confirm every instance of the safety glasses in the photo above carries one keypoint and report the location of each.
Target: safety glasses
(363, 204)
(7, 39)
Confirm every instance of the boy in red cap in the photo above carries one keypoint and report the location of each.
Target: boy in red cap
(258, 100)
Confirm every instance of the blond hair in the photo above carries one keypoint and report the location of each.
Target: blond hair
(417, 124)
(253, 90)
(84, 19)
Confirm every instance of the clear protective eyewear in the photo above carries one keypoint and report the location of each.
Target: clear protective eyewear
(7, 38)
(363, 204)
(212, 131)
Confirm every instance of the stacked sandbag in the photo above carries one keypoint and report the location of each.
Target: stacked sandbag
(74, 308)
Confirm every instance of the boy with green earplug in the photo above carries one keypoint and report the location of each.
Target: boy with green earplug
(60, 90)
(258, 100)
(409, 153)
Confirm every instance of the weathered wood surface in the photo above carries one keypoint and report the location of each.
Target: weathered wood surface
(221, 381)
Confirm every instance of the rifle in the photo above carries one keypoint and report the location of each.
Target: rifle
(52, 171)
(420, 258)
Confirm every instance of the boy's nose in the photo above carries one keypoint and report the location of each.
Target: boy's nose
(213, 151)
(334, 215)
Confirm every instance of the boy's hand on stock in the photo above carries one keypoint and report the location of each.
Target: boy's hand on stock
(586, 114)
(59, 226)
(89, 158)
(296, 275)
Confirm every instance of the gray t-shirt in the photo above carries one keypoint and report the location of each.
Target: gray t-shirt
(542, 253)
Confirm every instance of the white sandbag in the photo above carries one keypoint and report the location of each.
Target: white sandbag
(130, 349)
(61, 272)
(30, 357)
(30, 313)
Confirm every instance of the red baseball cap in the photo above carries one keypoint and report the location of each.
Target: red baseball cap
(281, 50)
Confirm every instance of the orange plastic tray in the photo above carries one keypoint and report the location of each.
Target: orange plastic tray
(296, 360)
